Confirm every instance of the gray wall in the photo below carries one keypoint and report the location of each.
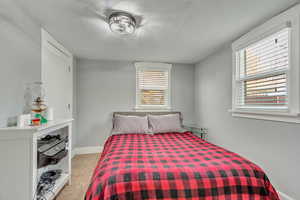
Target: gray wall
(19, 55)
(272, 145)
(108, 86)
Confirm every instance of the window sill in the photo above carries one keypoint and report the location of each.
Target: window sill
(271, 116)
(152, 108)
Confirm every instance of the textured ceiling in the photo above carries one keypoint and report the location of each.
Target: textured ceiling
(183, 31)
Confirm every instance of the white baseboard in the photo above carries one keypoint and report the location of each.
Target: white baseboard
(284, 196)
(86, 150)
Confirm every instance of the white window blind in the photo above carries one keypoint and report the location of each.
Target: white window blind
(262, 72)
(152, 86)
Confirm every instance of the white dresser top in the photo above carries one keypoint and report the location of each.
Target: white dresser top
(37, 128)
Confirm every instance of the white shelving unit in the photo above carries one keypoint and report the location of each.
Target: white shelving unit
(19, 174)
(60, 183)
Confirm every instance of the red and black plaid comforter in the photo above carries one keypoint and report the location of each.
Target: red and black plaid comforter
(174, 166)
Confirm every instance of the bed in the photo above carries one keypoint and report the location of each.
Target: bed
(174, 166)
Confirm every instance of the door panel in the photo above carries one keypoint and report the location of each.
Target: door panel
(57, 77)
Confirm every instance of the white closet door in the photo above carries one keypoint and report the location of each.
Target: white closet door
(57, 77)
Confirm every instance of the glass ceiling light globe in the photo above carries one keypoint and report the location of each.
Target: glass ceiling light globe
(122, 23)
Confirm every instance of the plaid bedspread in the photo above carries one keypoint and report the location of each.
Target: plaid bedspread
(174, 166)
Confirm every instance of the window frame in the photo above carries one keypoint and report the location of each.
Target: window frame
(289, 19)
(153, 66)
(238, 79)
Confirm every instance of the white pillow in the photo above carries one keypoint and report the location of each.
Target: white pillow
(130, 124)
(165, 123)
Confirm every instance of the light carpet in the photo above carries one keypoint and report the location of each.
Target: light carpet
(82, 170)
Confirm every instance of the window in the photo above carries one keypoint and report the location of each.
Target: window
(263, 72)
(265, 81)
(153, 85)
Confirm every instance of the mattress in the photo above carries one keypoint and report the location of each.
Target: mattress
(174, 166)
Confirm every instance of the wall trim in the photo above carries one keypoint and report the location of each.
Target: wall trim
(284, 196)
(86, 150)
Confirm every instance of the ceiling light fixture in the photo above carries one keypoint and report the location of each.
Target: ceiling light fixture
(122, 23)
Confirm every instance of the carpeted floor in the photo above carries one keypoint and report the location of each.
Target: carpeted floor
(82, 169)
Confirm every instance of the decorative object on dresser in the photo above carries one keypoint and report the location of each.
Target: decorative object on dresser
(39, 107)
(24, 120)
(197, 130)
(29, 155)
